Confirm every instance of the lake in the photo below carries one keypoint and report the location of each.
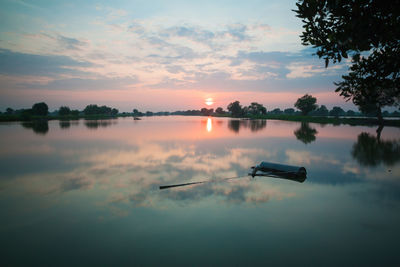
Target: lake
(87, 193)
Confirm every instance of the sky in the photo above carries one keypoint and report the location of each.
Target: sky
(158, 55)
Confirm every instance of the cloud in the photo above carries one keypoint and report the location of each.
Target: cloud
(193, 33)
(15, 63)
(306, 70)
(148, 54)
(70, 43)
(76, 183)
(95, 83)
(237, 32)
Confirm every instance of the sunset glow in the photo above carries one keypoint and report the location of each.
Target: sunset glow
(209, 101)
(209, 125)
(165, 59)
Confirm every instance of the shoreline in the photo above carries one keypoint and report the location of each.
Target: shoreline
(298, 118)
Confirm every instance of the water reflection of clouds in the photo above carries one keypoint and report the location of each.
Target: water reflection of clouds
(304, 157)
(125, 165)
(232, 192)
(131, 177)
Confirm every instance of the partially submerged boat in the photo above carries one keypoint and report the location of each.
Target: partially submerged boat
(268, 169)
(276, 170)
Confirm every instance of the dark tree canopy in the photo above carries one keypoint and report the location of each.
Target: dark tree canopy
(321, 111)
(256, 109)
(337, 111)
(40, 109)
(63, 111)
(235, 108)
(276, 111)
(369, 32)
(9, 111)
(306, 104)
(289, 111)
(219, 110)
(337, 27)
(114, 111)
(351, 113)
(96, 110)
(207, 112)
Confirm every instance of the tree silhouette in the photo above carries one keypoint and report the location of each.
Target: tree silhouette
(40, 109)
(338, 28)
(63, 111)
(206, 112)
(9, 111)
(289, 111)
(321, 111)
(337, 111)
(256, 109)
(219, 110)
(235, 108)
(306, 104)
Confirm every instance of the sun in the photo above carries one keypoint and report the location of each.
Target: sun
(209, 101)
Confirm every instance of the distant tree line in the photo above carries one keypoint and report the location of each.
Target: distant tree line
(96, 110)
(42, 110)
(305, 105)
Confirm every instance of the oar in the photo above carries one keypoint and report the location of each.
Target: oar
(201, 182)
(176, 185)
(276, 174)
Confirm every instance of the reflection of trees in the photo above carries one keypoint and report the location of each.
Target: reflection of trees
(65, 124)
(94, 124)
(257, 125)
(253, 125)
(234, 125)
(371, 151)
(305, 133)
(39, 127)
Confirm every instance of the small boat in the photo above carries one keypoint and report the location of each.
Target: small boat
(276, 170)
(136, 118)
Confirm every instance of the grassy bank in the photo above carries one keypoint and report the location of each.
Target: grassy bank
(5, 118)
(329, 120)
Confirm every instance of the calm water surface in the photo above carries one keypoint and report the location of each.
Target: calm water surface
(87, 193)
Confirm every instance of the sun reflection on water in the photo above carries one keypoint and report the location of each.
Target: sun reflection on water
(209, 125)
